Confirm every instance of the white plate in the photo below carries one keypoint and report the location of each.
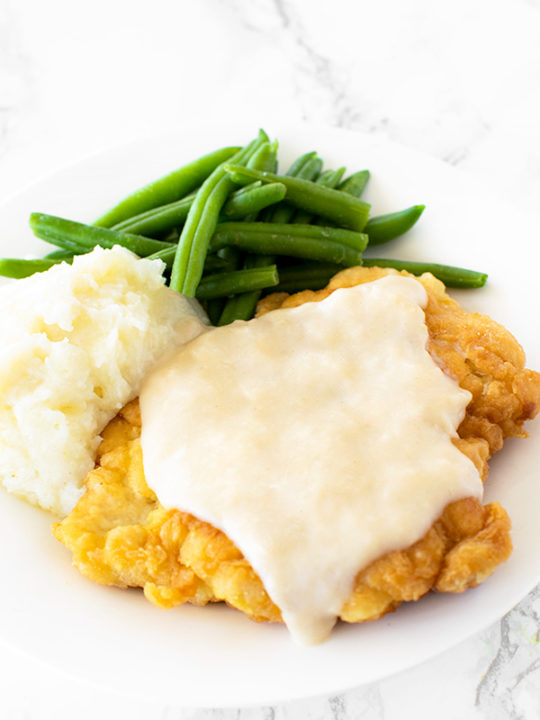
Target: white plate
(214, 656)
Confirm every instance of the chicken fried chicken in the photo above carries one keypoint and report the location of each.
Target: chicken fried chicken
(120, 535)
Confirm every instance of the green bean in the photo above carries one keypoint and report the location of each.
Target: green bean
(166, 255)
(19, 268)
(265, 158)
(238, 281)
(237, 308)
(159, 219)
(59, 255)
(383, 228)
(167, 189)
(309, 169)
(300, 162)
(454, 277)
(240, 193)
(242, 306)
(329, 178)
(57, 230)
(230, 259)
(355, 184)
(226, 232)
(312, 276)
(346, 210)
(308, 241)
(65, 245)
(171, 237)
(214, 308)
(215, 263)
(254, 201)
(246, 189)
(201, 222)
(163, 218)
(232, 256)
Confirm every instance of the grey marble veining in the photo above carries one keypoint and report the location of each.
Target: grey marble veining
(506, 684)
(416, 88)
(505, 688)
(319, 81)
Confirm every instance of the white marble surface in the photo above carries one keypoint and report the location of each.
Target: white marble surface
(457, 80)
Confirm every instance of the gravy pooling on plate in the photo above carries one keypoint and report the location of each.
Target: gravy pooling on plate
(317, 438)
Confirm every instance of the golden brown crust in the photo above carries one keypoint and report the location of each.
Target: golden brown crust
(120, 535)
(481, 355)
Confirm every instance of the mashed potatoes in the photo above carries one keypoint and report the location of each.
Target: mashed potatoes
(76, 342)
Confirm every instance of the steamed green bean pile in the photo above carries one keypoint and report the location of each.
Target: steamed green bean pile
(230, 226)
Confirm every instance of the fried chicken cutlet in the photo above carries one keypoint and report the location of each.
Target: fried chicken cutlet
(120, 534)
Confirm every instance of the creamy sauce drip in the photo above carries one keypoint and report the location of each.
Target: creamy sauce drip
(317, 438)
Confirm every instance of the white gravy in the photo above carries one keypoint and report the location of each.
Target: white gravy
(317, 438)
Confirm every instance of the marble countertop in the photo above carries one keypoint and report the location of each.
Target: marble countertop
(458, 81)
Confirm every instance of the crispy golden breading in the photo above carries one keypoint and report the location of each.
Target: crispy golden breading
(481, 355)
(120, 535)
